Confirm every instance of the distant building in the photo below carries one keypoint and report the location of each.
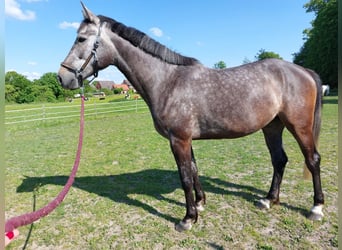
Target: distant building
(122, 86)
(105, 85)
(125, 86)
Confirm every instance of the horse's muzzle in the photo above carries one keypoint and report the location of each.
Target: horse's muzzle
(67, 79)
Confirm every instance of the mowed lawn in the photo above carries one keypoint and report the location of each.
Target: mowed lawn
(127, 194)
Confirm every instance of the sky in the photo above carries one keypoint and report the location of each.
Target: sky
(40, 33)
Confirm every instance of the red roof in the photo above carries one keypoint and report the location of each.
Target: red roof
(123, 86)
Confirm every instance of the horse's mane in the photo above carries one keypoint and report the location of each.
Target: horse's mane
(147, 44)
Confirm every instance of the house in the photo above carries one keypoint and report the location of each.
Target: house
(122, 86)
(105, 85)
(125, 86)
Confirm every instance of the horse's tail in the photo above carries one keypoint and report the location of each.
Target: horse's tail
(317, 115)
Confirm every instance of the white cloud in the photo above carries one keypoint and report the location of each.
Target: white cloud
(32, 75)
(156, 31)
(66, 25)
(32, 63)
(13, 9)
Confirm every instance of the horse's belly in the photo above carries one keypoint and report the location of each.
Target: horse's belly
(222, 132)
(232, 125)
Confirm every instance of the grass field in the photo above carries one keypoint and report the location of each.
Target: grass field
(127, 192)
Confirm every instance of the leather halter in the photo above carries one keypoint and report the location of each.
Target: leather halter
(78, 72)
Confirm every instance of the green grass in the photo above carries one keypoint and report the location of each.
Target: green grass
(127, 192)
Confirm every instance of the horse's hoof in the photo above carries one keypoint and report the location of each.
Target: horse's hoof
(264, 204)
(183, 226)
(316, 213)
(199, 207)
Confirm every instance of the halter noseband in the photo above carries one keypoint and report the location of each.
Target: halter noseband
(78, 72)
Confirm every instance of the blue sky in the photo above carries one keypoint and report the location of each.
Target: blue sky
(39, 33)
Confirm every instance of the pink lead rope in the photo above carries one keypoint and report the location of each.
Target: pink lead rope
(29, 218)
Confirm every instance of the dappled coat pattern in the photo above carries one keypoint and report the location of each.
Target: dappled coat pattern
(189, 101)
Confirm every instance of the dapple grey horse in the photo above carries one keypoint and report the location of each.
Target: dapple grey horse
(189, 101)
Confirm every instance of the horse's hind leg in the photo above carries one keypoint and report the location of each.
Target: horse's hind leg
(199, 194)
(312, 161)
(273, 137)
(305, 140)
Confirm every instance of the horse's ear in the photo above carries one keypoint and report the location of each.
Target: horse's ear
(88, 15)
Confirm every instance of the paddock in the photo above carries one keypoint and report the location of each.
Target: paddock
(118, 201)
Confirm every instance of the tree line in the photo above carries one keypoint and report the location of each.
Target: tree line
(261, 55)
(19, 89)
(319, 51)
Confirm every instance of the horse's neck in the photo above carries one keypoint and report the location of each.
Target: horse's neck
(146, 73)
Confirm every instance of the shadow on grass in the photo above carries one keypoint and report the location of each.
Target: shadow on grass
(153, 182)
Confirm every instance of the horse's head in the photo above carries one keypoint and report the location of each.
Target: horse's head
(89, 53)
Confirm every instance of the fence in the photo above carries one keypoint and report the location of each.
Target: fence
(45, 112)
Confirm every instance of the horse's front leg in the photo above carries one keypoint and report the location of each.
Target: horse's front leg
(199, 193)
(181, 150)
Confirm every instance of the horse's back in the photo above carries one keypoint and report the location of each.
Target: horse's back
(274, 83)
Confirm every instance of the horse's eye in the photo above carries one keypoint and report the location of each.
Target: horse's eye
(80, 39)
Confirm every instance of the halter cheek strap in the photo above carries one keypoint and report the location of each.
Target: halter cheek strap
(78, 72)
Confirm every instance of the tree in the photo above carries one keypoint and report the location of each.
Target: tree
(315, 5)
(246, 60)
(220, 65)
(25, 95)
(319, 51)
(50, 80)
(107, 91)
(87, 87)
(17, 87)
(45, 89)
(117, 91)
(42, 94)
(11, 94)
(17, 80)
(263, 54)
